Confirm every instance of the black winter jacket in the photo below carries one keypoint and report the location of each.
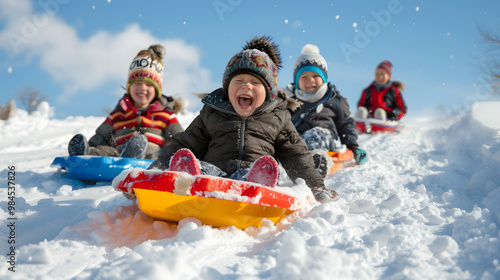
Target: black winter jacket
(331, 112)
(220, 136)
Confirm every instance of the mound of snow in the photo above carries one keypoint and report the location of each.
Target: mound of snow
(487, 113)
(424, 206)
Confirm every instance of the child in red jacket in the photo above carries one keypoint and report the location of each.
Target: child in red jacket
(382, 99)
(144, 119)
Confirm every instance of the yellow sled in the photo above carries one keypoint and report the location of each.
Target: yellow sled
(215, 201)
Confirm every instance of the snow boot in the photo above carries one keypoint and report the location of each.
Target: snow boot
(361, 113)
(380, 114)
(264, 171)
(185, 161)
(322, 162)
(135, 147)
(322, 194)
(78, 145)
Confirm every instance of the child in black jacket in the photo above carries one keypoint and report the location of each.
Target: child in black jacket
(323, 119)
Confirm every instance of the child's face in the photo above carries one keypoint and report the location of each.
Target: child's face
(310, 81)
(142, 94)
(381, 76)
(246, 94)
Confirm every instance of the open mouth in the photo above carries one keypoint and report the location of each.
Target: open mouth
(245, 101)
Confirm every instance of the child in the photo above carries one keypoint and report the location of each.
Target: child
(144, 119)
(323, 117)
(382, 99)
(243, 122)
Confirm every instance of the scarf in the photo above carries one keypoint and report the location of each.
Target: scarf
(380, 87)
(311, 97)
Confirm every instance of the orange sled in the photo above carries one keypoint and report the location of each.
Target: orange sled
(341, 160)
(220, 202)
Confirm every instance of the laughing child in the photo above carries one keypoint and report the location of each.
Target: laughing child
(246, 122)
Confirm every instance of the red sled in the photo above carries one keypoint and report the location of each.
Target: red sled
(372, 126)
(220, 202)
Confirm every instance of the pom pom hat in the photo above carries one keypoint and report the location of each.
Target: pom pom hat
(310, 60)
(259, 58)
(386, 65)
(147, 66)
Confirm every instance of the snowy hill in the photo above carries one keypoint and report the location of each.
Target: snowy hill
(425, 206)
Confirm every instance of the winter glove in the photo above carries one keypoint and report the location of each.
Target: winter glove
(322, 194)
(160, 163)
(359, 155)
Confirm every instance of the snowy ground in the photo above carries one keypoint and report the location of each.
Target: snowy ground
(425, 206)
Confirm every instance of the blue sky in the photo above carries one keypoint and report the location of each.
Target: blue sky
(77, 52)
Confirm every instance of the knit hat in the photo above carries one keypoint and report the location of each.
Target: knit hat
(386, 65)
(310, 60)
(260, 58)
(147, 66)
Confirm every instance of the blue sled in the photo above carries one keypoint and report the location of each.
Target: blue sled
(97, 169)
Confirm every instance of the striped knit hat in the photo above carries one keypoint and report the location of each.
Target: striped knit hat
(386, 65)
(310, 60)
(259, 58)
(147, 66)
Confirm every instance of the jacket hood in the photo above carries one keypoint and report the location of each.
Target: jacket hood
(176, 105)
(399, 85)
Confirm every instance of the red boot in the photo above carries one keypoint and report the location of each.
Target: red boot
(185, 161)
(264, 171)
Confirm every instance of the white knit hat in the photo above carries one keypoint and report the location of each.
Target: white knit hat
(310, 60)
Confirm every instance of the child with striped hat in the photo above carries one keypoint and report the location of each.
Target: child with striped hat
(144, 119)
(383, 99)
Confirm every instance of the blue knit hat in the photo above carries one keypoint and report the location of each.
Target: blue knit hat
(310, 60)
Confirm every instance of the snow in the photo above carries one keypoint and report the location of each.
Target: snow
(487, 114)
(424, 206)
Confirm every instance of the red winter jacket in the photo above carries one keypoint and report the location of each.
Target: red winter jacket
(390, 99)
